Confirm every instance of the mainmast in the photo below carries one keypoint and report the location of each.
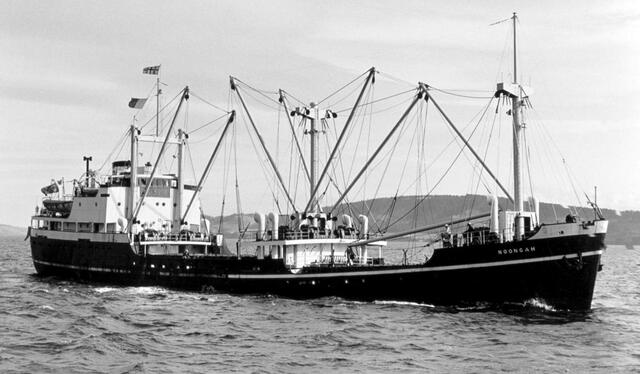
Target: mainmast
(518, 131)
(134, 170)
(313, 134)
(177, 210)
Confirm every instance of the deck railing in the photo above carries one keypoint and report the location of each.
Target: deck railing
(307, 234)
(183, 237)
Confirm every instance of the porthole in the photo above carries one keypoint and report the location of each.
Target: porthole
(79, 204)
(119, 204)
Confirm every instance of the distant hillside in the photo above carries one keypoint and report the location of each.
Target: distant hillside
(390, 215)
(6, 230)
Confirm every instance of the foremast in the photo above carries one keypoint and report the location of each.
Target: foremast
(514, 92)
(518, 133)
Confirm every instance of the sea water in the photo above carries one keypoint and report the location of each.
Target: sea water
(53, 325)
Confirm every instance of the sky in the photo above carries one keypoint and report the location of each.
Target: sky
(69, 68)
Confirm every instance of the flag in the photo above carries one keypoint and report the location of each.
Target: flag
(52, 188)
(154, 70)
(137, 103)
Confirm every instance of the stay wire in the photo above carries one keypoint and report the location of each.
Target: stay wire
(161, 110)
(448, 92)
(209, 103)
(260, 92)
(442, 177)
(484, 159)
(209, 123)
(379, 100)
(120, 143)
(287, 95)
(343, 87)
(452, 141)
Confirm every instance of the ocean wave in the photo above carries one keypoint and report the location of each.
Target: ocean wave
(540, 304)
(104, 289)
(403, 303)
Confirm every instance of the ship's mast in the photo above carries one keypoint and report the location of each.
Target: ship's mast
(149, 183)
(313, 134)
(134, 173)
(518, 130)
(158, 91)
(177, 211)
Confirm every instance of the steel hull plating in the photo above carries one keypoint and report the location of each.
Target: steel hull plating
(559, 271)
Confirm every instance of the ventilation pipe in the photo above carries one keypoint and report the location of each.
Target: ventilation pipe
(364, 234)
(123, 223)
(364, 226)
(206, 223)
(346, 220)
(274, 219)
(260, 220)
(494, 225)
(535, 205)
(329, 225)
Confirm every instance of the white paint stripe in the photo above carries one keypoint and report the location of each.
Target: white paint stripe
(339, 274)
(174, 242)
(74, 267)
(416, 269)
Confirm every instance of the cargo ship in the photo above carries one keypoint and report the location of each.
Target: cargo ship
(139, 226)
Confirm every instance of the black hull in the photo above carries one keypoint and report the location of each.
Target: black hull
(559, 271)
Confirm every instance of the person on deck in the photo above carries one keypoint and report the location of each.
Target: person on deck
(350, 256)
(446, 236)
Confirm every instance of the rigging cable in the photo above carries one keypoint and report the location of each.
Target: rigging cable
(192, 93)
(379, 100)
(391, 209)
(262, 165)
(454, 139)
(448, 92)
(343, 87)
(545, 132)
(288, 94)
(120, 143)
(225, 182)
(161, 110)
(484, 159)
(226, 115)
(445, 173)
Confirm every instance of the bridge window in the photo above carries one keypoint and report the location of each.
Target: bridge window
(158, 188)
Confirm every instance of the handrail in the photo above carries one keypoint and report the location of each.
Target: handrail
(195, 237)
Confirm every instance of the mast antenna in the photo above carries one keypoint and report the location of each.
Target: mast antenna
(515, 54)
(158, 92)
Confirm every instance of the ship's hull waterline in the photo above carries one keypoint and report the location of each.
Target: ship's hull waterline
(559, 271)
